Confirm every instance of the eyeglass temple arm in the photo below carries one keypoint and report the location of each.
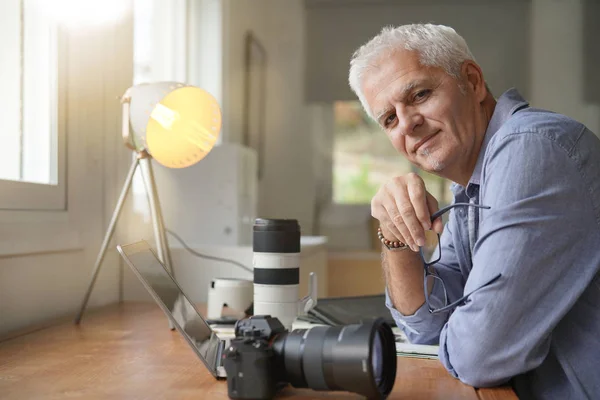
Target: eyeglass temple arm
(441, 211)
(465, 297)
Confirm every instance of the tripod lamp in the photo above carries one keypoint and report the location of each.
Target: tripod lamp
(177, 125)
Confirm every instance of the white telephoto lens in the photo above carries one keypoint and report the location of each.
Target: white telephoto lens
(276, 261)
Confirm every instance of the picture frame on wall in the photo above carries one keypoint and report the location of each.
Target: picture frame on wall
(255, 97)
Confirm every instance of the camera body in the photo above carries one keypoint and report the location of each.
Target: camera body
(253, 370)
(264, 357)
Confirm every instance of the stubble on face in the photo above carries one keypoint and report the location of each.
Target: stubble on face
(434, 164)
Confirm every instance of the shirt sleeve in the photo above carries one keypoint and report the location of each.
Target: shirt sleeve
(536, 194)
(422, 327)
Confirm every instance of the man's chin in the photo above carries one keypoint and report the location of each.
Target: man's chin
(430, 163)
(436, 168)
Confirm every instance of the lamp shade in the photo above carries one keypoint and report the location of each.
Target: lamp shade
(177, 124)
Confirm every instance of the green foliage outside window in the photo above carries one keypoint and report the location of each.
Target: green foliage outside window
(357, 188)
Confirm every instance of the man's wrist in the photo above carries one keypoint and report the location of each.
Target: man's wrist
(392, 245)
(403, 273)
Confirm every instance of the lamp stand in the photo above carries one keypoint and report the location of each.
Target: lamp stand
(144, 161)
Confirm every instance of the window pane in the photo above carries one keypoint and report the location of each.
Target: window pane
(143, 28)
(28, 76)
(39, 97)
(10, 101)
(364, 159)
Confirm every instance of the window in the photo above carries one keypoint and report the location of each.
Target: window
(31, 144)
(364, 159)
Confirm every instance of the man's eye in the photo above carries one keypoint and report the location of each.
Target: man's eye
(422, 94)
(389, 119)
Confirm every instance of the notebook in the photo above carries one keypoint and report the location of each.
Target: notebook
(351, 310)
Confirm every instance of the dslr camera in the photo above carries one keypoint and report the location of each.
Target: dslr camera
(264, 357)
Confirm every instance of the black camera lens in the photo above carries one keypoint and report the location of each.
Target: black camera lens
(358, 358)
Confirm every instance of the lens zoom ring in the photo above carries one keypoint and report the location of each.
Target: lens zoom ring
(283, 276)
(312, 360)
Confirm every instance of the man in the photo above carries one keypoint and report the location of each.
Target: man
(529, 262)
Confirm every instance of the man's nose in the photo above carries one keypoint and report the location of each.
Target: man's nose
(408, 121)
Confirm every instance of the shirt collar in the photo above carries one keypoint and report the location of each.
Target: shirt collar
(507, 104)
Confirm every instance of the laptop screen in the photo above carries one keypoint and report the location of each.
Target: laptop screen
(169, 296)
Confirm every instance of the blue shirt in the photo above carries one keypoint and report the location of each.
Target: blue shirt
(539, 324)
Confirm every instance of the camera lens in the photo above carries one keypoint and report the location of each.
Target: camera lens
(377, 360)
(276, 260)
(358, 358)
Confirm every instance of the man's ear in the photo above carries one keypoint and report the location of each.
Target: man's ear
(473, 76)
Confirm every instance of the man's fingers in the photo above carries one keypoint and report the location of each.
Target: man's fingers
(408, 216)
(433, 206)
(409, 225)
(389, 230)
(395, 220)
(418, 197)
(404, 207)
(438, 225)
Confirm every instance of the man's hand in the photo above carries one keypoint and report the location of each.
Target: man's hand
(404, 207)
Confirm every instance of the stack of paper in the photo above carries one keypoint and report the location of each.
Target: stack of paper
(406, 349)
(417, 350)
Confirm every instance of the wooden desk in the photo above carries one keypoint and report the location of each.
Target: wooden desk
(129, 352)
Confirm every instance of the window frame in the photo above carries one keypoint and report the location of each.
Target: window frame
(28, 196)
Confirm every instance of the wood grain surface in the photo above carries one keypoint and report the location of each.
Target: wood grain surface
(128, 352)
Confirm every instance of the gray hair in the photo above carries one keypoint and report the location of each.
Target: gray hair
(437, 45)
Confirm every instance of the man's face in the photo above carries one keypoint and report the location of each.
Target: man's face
(424, 113)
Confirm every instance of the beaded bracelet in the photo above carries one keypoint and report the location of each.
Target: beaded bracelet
(391, 245)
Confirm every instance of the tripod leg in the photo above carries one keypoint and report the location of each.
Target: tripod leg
(164, 253)
(157, 220)
(107, 237)
(162, 229)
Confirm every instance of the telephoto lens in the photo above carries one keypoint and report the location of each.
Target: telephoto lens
(276, 262)
(358, 358)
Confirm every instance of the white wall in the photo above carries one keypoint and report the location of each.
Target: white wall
(287, 189)
(496, 31)
(558, 57)
(46, 258)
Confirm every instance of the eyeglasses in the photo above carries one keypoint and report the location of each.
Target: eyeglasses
(429, 275)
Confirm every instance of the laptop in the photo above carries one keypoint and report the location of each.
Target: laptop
(168, 295)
